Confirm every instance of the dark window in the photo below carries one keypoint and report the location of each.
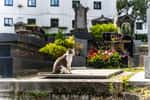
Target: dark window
(31, 21)
(73, 23)
(54, 3)
(139, 25)
(8, 2)
(75, 3)
(97, 5)
(8, 21)
(54, 22)
(31, 3)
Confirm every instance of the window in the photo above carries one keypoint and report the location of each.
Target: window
(97, 5)
(31, 3)
(54, 22)
(8, 2)
(73, 23)
(75, 3)
(54, 3)
(31, 21)
(8, 21)
(139, 25)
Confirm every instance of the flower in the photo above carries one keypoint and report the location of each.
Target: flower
(103, 57)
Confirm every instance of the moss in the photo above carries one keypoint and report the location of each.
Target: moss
(134, 70)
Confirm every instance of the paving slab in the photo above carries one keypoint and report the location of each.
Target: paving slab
(84, 74)
(139, 79)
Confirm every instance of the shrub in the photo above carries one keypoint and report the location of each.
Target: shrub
(70, 42)
(53, 50)
(60, 42)
(98, 29)
(60, 35)
(59, 47)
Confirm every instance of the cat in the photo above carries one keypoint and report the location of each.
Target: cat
(62, 65)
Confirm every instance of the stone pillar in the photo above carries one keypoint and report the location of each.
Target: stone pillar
(147, 58)
(81, 19)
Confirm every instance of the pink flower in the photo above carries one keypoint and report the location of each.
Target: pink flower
(106, 52)
(110, 53)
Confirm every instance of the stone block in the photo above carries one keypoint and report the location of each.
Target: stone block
(19, 54)
(147, 66)
(79, 61)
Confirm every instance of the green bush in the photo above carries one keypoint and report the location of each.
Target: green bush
(115, 59)
(60, 35)
(60, 42)
(142, 37)
(59, 47)
(53, 50)
(68, 42)
(98, 29)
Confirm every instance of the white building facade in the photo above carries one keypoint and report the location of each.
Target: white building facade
(141, 27)
(52, 14)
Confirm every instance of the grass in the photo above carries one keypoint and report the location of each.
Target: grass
(133, 69)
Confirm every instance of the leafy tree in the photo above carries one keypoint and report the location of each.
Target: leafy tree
(138, 7)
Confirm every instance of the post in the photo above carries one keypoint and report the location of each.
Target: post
(147, 58)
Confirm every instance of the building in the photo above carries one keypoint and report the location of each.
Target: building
(141, 27)
(51, 14)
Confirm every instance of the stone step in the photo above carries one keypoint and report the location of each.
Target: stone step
(84, 74)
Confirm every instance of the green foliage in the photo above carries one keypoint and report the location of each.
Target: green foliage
(68, 42)
(142, 37)
(53, 50)
(60, 35)
(125, 83)
(32, 95)
(98, 29)
(126, 28)
(60, 42)
(121, 4)
(38, 93)
(134, 70)
(115, 59)
(139, 7)
(59, 46)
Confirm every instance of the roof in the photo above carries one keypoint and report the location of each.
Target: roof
(102, 20)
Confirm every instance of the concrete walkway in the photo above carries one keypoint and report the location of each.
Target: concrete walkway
(139, 79)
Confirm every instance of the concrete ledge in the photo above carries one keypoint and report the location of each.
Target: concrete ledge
(139, 80)
(84, 74)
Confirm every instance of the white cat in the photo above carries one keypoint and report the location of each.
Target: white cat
(62, 64)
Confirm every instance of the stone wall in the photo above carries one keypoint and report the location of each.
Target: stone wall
(19, 55)
(56, 90)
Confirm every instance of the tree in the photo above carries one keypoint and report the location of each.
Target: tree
(138, 7)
